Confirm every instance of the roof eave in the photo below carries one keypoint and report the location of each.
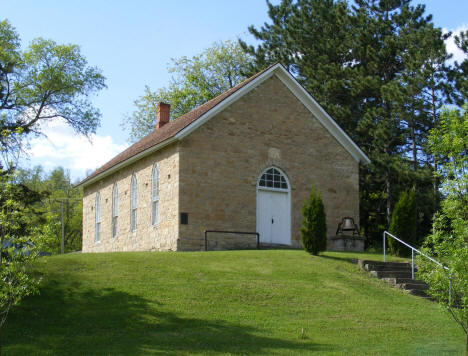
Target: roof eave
(127, 162)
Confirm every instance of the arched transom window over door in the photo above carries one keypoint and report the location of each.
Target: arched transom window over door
(274, 207)
(273, 178)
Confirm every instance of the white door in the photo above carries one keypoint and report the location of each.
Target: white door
(273, 208)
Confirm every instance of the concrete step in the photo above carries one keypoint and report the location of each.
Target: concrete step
(403, 267)
(406, 281)
(418, 293)
(400, 280)
(397, 274)
(413, 285)
(371, 263)
(391, 274)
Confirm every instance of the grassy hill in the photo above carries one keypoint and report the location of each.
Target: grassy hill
(238, 302)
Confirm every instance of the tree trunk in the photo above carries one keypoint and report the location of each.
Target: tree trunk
(467, 342)
(414, 149)
(435, 185)
(388, 192)
(434, 124)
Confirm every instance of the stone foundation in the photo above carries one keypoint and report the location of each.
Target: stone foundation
(347, 243)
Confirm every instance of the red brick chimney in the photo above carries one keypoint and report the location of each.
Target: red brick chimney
(163, 114)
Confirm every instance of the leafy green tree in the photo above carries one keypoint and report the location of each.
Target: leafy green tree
(314, 225)
(17, 245)
(449, 241)
(195, 81)
(55, 187)
(46, 81)
(403, 224)
(60, 189)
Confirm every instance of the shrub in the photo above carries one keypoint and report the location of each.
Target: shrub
(314, 226)
(403, 224)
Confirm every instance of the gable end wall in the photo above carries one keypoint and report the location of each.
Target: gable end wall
(221, 160)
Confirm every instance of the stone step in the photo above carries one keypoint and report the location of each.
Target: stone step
(415, 286)
(403, 267)
(381, 263)
(391, 274)
(397, 274)
(418, 293)
(401, 280)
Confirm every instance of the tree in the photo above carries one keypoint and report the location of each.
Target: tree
(56, 188)
(312, 38)
(17, 247)
(403, 224)
(46, 81)
(378, 68)
(461, 69)
(448, 242)
(197, 80)
(314, 226)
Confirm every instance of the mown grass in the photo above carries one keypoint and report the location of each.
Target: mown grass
(275, 302)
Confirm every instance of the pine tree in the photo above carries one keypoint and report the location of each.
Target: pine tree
(460, 72)
(403, 224)
(378, 68)
(312, 38)
(314, 226)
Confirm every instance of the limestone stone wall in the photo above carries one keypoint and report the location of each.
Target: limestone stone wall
(221, 161)
(162, 236)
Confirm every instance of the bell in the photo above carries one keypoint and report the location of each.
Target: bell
(348, 224)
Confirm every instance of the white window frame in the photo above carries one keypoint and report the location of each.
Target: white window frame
(133, 203)
(115, 210)
(155, 196)
(97, 227)
(283, 180)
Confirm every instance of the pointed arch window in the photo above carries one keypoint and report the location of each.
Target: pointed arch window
(274, 179)
(98, 218)
(155, 196)
(133, 203)
(115, 209)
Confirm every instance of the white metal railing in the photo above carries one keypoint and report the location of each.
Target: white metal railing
(412, 259)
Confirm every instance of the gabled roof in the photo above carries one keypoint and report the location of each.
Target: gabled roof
(184, 125)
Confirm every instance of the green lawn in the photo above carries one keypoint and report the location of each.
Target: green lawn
(235, 302)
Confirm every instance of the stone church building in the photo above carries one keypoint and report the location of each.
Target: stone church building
(243, 161)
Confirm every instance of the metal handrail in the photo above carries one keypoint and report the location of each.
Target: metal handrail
(412, 259)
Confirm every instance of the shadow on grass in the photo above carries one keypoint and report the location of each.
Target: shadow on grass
(67, 319)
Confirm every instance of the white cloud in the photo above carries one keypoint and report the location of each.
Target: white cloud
(458, 55)
(63, 147)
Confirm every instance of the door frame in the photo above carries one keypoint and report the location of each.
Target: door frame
(288, 191)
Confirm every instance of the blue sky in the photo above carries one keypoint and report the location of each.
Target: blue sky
(133, 43)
